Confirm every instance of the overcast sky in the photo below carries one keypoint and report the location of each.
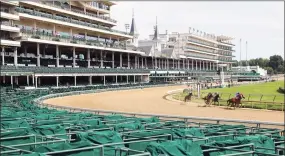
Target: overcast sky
(259, 23)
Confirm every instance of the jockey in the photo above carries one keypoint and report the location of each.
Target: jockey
(237, 95)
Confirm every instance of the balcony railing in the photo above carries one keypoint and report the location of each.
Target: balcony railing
(210, 45)
(65, 19)
(202, 57)
(202, 50)
(47, 35)
(66, 7)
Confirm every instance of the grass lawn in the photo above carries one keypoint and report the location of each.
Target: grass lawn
(265, 92)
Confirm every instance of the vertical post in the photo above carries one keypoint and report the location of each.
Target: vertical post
(155, 63)
(192, 64)
(28, 83)
(12, 81)
(36, 82)
(116, 79)
(134, 78)
(4, 79)
(173, 63)
(142, 63)
(3, 56)
(73, 52)
(104, 77)
(145, 62)
(15, 57)
(101, 59)
(88, 58)
(57, 56)
(129, 60)
(210, 65)
(57, 81)
(127, 78)
(135, 67)
(74, 80)
(113, 60)
(38, 55)
(33, 80)
(196, 64)
(121, 60)
(200, 65)
(90, 80)
(188, 64)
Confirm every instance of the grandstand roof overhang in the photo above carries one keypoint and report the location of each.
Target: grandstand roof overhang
(4, 73)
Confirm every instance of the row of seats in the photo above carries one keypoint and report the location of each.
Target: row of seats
(44, 131)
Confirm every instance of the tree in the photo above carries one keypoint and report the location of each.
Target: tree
(280, 69)
(275, 61)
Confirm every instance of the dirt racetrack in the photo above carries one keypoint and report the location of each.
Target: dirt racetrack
(150, 100)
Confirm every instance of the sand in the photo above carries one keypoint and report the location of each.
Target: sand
(150, 100)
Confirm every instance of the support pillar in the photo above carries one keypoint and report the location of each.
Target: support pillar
(145, 63)
(127, 78)
(116, 79)
(28, 82)
(101, 59)
(173, 63)
(38, 55)
(134, 78)
(88, 58)
(196, 64)
(155, 63)
(16, 79)
(4, 79)
(36, 82)
(200, 65)
(128, 60)
(3, 56)
(113, 60)
(33, 80)
(121, 60)
(74, 80)
(192, 64)
(210, 65)
(15, 57)
(188, 64)
(57, 81)
(12, 81)
(183, 63)
(57, 56)
(142, 63)
(90, 80)
(104, 77)
(73, 58)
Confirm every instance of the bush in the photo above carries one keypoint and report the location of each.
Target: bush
(281, 90)
(36, 37)
(55, 39)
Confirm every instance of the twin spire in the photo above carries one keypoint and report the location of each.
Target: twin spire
(155, 36)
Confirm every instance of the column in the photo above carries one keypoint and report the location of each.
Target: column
(16, 79)
(167, 61)
(192, 64)
(101, 59)
(145, 62)
(2, 55)
(134, 79)
(196, 64)
(136, 62)
(207, 65)
(210, 65)
(28, 82)
(178, 64)
(73, 58)
(173, 63)
(183, 62)
(127, 78)
(121, 60)
(36, 82)
(203, 65)
(33, 79)
(116, 79)
(4, 79)
(128, 60)
(12, 81)
(188, 62)
(88, 58)
(74, 80)
(57, 56)
(57, 81)
(90, 80)
(38, 55)
(113, 60)
(15, 57)
(104, 77)
(217, 66)
(200, 65)
(142, 63)
(155, 63)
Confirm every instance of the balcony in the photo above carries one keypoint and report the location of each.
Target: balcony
(8, 42)
(203, 44)
(7, 26)
(63, 8)
(200, 51)
(28, 13)
(7, 14)
(75, 40)
(9, 2)
(200, 57)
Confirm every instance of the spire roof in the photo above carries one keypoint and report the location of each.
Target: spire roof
(155, 36)
(133, 30)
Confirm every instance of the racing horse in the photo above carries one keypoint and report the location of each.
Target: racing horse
(208, 99)
(235, 102)
(216, 98)
(188, 97)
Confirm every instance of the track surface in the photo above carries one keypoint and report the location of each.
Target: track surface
(150, 100)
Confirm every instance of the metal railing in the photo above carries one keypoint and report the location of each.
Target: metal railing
(40, 103)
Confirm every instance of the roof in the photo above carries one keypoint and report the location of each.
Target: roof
(167, 52)
(146, 49)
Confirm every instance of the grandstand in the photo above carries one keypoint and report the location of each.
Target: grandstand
(56, 43)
